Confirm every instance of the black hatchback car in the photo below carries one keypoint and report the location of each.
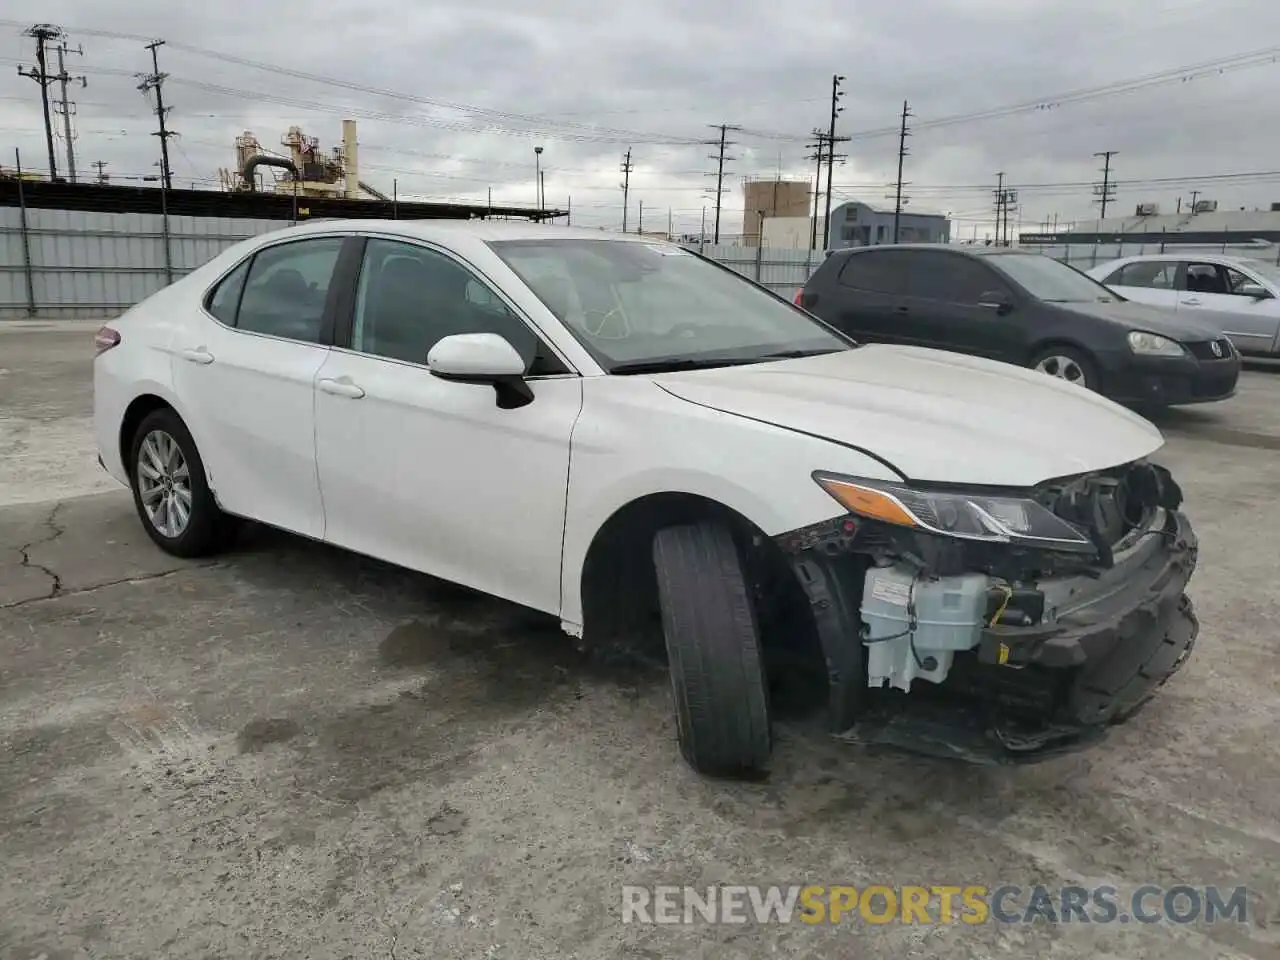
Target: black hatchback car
(1026, 309)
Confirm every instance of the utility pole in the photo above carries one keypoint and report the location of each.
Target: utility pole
(720, 157)
(669, 228)
(999, 203)
(43, 33)
(640, 219)
(155, 81)
(902, 155)
(626, 186)
(64, 78)
(836, 80)
(100, 166)
(1107, 189)
(537, 175)
(1195, 195)
(819, 154)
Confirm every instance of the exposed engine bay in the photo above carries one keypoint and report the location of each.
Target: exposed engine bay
(1034, 643)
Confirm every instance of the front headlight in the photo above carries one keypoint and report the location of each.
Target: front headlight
(1154, 345)
(967, 516)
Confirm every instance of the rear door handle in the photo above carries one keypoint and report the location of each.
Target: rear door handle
(901, 309)
(196, 355)
(1192, 303)
(342, 388)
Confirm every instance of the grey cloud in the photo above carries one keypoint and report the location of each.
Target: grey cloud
(670, 68)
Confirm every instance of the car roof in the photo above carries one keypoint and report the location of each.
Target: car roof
(452, 231)
(1185, 255)
(964, 249)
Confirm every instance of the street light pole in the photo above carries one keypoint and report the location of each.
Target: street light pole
(537, 174)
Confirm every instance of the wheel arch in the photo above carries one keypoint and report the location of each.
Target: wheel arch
(616, 584)
(139, 408)
(1059, 340)
(619, 589)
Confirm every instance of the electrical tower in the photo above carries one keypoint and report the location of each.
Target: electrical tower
(101, 167)
(43, 34)
(902, 155)
(626, 186)
(1106, 190)
(720, 157)
(155, 81)
(67, 107)
(832, 140)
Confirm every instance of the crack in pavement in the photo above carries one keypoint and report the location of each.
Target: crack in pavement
(51, 522)
(58, 593)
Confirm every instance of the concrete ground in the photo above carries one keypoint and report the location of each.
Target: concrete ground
(295, 752)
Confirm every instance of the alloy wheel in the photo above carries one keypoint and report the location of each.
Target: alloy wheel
(164, 484)
(1064, 368)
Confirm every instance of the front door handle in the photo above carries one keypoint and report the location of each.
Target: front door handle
(1192, 302)
(901, 309)
(342, 388)
(196, 355)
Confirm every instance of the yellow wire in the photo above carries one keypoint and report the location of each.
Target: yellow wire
(1008, 595)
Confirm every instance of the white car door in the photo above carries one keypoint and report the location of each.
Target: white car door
(1146, 281)
(1218, 289)
(433, 474)
(245, 370)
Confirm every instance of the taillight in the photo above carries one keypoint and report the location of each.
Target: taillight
(104, 340)
(799, 301)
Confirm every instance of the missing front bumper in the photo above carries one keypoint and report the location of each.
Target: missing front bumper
(1094, 666)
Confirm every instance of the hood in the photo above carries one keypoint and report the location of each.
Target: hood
(935, 416)
(1141, 316)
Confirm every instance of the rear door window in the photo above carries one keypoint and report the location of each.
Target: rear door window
(878, 271)
(1151, 274)
(951, 278)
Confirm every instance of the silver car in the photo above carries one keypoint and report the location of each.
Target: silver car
(1239, 295)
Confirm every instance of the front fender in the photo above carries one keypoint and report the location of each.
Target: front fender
(635, 440)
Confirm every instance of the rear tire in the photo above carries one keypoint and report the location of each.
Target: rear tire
(713, 647)
(1069, 364)
(165, 468)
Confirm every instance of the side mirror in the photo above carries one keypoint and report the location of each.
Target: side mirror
(996, 300)
(1255, 290)
(482, 358)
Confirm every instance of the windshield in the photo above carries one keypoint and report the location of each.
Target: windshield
(648, 306)
(1267, 271)
(1051, 280)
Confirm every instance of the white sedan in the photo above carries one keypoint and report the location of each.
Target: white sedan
(1239, 295)
(641, 443)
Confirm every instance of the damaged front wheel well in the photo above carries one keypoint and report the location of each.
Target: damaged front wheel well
(620, 591)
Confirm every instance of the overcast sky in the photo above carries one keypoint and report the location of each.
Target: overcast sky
(586, 80)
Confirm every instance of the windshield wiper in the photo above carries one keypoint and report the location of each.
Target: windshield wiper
(793, 354)
(668, 364)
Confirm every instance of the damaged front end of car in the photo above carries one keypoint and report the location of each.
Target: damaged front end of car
(998, 626)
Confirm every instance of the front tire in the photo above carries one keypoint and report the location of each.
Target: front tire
(713, 648)
(170, 490)
(1069, 364)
